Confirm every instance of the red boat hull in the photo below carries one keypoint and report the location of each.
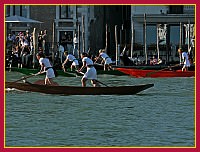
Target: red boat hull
(156, 73)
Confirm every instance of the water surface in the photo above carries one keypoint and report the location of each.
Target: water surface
(159, 116)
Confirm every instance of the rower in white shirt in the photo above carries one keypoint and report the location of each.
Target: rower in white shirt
(184, 59)
(106, 60)
(91, 73)
(70, 57)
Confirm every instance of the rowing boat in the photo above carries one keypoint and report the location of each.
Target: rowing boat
(76, 90)
(156, 73)
(156, 67)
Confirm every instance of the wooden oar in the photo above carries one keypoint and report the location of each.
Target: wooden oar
(153, 72)
(72, 74)
(95, 79)
(98, 64)
(32, 75)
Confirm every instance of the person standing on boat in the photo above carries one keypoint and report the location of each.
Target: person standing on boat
(106, 60)
(46, 66)
(184, 59)
(70, 57)
(91, 71)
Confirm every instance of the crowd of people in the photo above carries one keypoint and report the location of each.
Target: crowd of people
(20, 47)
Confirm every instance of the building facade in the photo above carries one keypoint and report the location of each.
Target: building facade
(164, 29)
(95, 26)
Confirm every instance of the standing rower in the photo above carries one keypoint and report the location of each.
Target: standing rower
(184, 59)
(46, 66)
(91, 71)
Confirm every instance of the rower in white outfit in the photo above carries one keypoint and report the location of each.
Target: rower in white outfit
(106, 59)
(91, 71)
(46, 66)
(70, 57)
(184, 59)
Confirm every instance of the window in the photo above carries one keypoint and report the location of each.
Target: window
(174, 34)
(20, 10)
(151, 34)
(63, 12)
(176, 9)
(7, 10)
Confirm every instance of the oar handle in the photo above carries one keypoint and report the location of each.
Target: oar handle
(32, 75)
(81, 72)
(153, 72)
(102, 83)
(95, 79)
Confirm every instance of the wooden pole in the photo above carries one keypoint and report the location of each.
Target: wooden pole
(53, 41)
(132, 38)
(145, 38)
(79, 52)
(118, 54)
(158, 51)
(106, 38)
(180, 41)
(121, 35)
(188, 35)
(34, 46)
(116, 44)
(83, 33)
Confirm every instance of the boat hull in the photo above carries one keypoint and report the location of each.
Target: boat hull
(156, 67)
(74, 90)
(156, 73)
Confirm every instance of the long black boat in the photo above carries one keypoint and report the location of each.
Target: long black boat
(78, 90)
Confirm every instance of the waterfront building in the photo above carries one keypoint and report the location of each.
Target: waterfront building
(155, 28)
(168, 27)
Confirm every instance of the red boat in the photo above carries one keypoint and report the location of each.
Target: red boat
(156, 73)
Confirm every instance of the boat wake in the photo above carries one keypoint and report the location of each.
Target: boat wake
(12, 90)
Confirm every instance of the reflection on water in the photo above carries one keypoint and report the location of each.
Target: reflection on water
(160, 116)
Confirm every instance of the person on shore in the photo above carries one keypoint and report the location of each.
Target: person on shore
(106, 60)
(63, 41)
(184, 59)
(70, 57)
(69, 43)
(47, 67)
(25, 56)
(91, 71)
(75, 42)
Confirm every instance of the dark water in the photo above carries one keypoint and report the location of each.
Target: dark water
(160, 116)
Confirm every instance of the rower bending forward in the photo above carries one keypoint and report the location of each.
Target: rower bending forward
(106, 60)
(70, 57)
(91, 71)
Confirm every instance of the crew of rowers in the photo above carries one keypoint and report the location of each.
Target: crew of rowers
(90, 74)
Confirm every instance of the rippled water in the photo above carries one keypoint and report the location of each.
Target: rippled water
(160, 116)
